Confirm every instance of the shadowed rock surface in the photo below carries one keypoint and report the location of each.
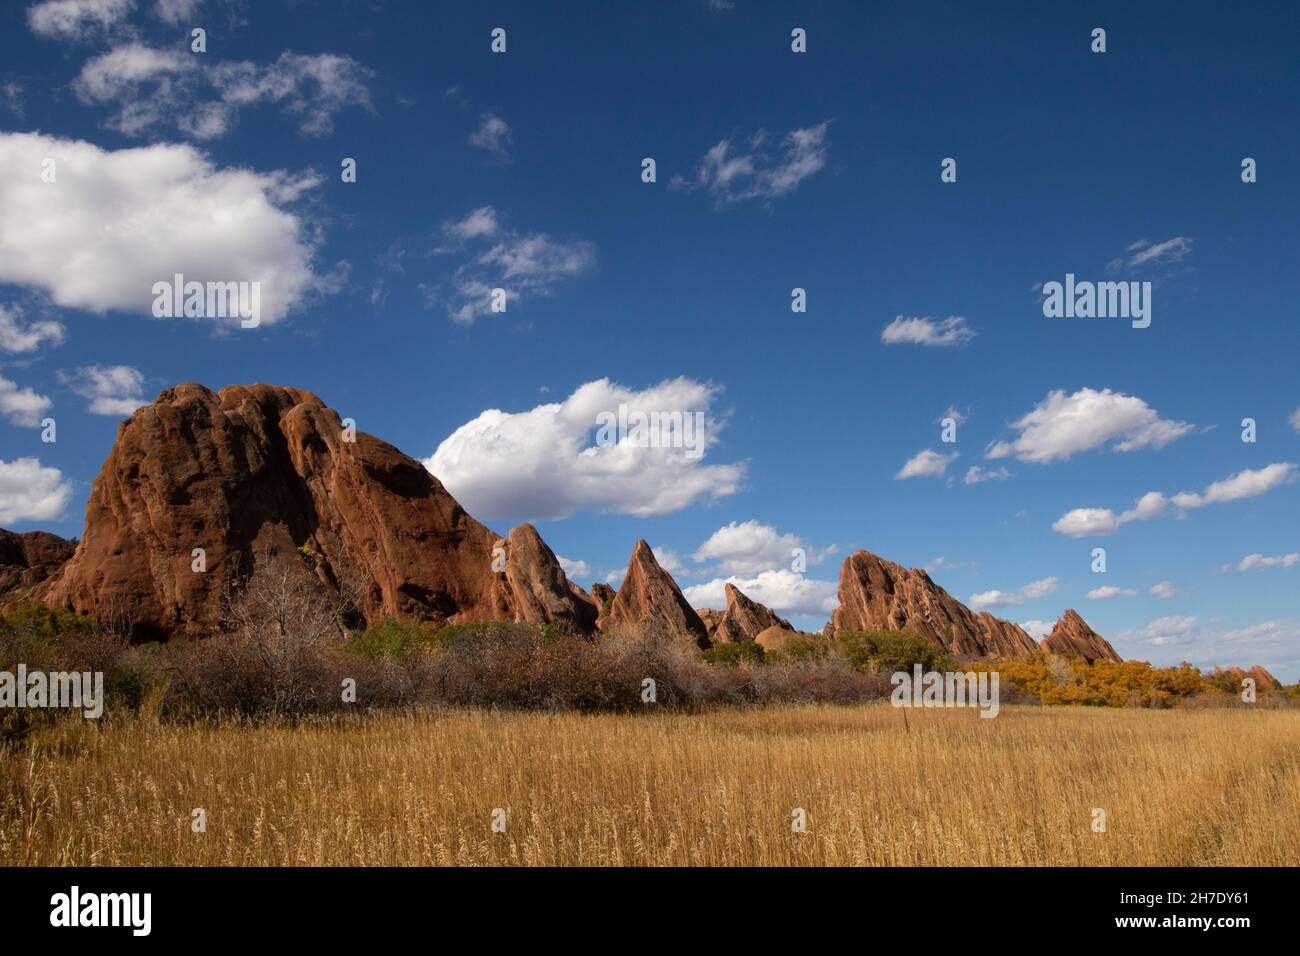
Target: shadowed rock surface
(27, 559)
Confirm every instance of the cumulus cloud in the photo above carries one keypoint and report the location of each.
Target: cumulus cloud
(976, 475)
(29, 492)
(926, 464)
(734, 173)
(115, 390)
(76, 19)
(1244, 484)
(153, 88)
(21, 406)
(1163, 590)
(1257, 562)
(493, 134)
(783, 591)
(523, 265)
(574, 570)
(1038, 629)
(547, 462)
(115, 222)
(748, 547)
(1034, 589)
(1110, 591)
(923, 330)
(1062, 425)
(18, 336)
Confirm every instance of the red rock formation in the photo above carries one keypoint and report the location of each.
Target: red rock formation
(876, 594)
(1072, 636)
(649, 595)
(603, 595)
(775, 638)
(255, 471)
(744, 620)
(1263, 679)
(26, 560)
(711, 619)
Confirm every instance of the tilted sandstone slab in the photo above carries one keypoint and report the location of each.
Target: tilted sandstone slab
(744, 619)
(1072, 636)
(876, 594)
(26, 560)
(649, 595)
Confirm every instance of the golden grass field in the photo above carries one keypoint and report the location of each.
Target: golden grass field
(1179, 787)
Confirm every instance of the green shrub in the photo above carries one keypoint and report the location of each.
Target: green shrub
(741, 652)
(393, 638)
(886, 652)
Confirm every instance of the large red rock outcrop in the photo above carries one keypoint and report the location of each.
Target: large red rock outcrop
(260, 472)
(26, 560)
(1072, 636)
(876, 594)
(744, 620)
(649, 595)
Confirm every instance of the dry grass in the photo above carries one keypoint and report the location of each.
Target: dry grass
(1207, 787)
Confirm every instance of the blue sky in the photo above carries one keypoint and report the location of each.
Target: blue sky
(522, 170)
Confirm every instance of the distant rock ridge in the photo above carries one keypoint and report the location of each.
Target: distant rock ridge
(744, 620)
(28, 559)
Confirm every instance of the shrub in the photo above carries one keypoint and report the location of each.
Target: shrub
(886, 652)
(740, 652)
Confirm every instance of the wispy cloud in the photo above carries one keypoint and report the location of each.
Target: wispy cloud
(752, 170)
(116, 390)
(923, 330)
(926, 464)
(1034, 589)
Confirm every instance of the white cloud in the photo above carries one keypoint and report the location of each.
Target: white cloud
(29, 492)
(926, 464)
(1061, 426)
(941, 563)
(1294, 420)
(976, 475)
(1244, 484)
(545, 463)
(154, 88)
(493, 134)
(1110, 591)
(1038, 629)
(672, 562)
(479, 224)
(1275, 644)
(116, 222)
(783, 591)
(748, 547)
(19, 336)
(923, 330)
(76, 19)
(175, 11)
(521, 265)
(734, 174)
(116, 390)
(1030, 591)
(11, 97)
(574, 570)
(958, 417)
(1143, 253)
(1163, 590)
(1256, 562)
(21, 406)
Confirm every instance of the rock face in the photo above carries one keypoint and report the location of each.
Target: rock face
(1072, 636)
(256, 472)
(649, 595)
(876, 594)
(711, 619)
(744, 620)
(774, 638)
(26, 560)
(1263, 679)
